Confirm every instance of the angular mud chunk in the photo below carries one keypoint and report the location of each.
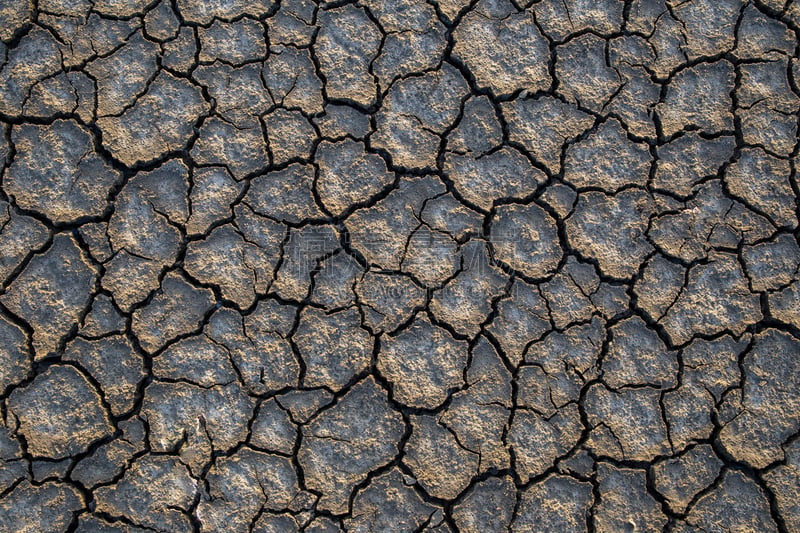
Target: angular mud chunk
(637, 356)
(716, 298)
(155, 492)
(241, 485)
(465, 301)
(633, 416)
(688, 159)
(500, 175)
(346, 45)
(161, 23)
(423, 363)
(302, 253)
(180, 54)
(47, 507)
(439, 463)
(388, 504)
(635, 98)
(214, 418)
(763, 182)
(561, 502)
(291, 79)
(488, 506)
(239, 92)
(768, 414)
(176, 310)
(197, 359)
(125, 267)
(15, 360)
(13, 16)
(432, 257)
(667, 40)
(161, 195)
(488, 379)
(120, 8)
(115, 93)
(92, 524)
(569, 292)
(162, 121)
(502, 48)
(348, 175)
(259, 345)
(583, 74)
(333, 347)
(681, 478)
(784, 306)
(768, 106)
(35, 57)
(714, 365)
(116, 366)
(607, 159)
(96, 239)
(381, 232)
(564, 362)
(562, 18)
(480, 425)
(334, 283)
(289, 134)
(57, 173)
(784, 481)
(767, 82)
(341, 120)
(104, 318)
(708, 26)
(303, 405)
(538, 442)
(625, 504)
(272, 429)
(698, 97)
(213, 192)
(478, 131)
(414, 115)
(522, 318)
(347, 441)
(738, 503)
(143, 227)
(204, 11)
(388, 300)
(242, 150)
(284, 195)
(414, 42)
(65, 93)
(761, 36)
(446, 214)
(771, 265)
(108, 460)
(225, 259)
(543, 125)
(478, 417)
(710, 220)
(60, 413)
(52, 293)
(236, 42)
(611, 229)
(525, 238)
(20, 235)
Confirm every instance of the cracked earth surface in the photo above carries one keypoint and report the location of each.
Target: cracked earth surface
(399, 265)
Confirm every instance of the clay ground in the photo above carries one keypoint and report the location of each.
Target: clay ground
(399, 265)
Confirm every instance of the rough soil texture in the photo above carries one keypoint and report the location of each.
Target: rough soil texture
(399, 266)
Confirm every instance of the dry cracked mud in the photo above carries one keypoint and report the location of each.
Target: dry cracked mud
(399, 266)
